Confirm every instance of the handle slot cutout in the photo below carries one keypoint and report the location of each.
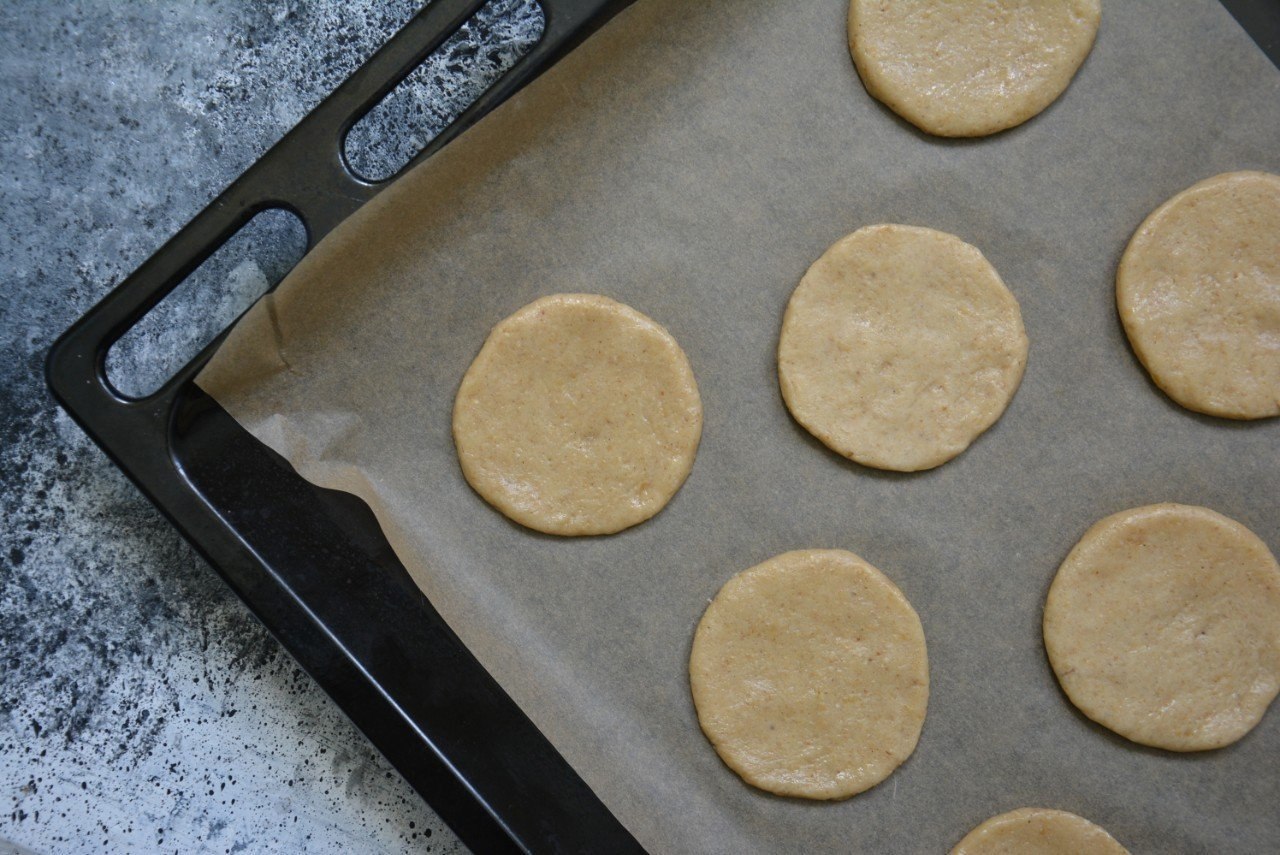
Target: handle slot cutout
(217, 292)
(442, 86)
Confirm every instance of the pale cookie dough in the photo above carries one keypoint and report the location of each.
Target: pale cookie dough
(1199, 295)
(967, 68)
(900, 346)
(579, 416)
(1163, 625)
(1038, 831)
(809, 675)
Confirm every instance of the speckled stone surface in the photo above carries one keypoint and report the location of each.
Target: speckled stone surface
(142, 708)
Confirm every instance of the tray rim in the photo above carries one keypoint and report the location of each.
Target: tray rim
(306, 173)
(131, 430)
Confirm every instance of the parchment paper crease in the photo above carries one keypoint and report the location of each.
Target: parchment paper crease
(691, 160)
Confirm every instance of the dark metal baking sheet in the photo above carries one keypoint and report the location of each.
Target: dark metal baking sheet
(311, 563)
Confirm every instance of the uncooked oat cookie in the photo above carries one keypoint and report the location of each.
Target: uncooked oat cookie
(959, 68)
(1038, 831)
(1163, 625)
(809, 675)
(900, 346)
(1199, 295)
(579, 416)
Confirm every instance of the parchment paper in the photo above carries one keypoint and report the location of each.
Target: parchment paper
(691, 160)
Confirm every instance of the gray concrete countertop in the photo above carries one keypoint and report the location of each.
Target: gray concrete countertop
(142, 708)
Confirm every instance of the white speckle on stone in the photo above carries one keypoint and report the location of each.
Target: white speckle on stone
(142, 708)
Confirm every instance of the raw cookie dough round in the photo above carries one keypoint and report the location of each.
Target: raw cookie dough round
(579, 416)
(1038, 831)
(810, 676)
(1163, 625)
(900, 346)
(962, 68)
(1199, 295)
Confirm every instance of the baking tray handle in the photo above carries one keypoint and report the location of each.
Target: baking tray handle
(304, 173)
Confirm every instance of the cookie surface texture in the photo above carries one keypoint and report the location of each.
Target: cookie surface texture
(579, 416)
(1038, 831)
(1163, 625)
(968, 68)
(1198, 291)
(810, 676)
(900, 346)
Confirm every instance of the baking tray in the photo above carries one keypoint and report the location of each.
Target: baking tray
(312, 564)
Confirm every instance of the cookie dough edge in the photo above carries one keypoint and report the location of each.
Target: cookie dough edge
(875, 88)
(1082, 547)
(917, 625)
(529, 521)
(1122, 279)
(972, 838)
(942, 456)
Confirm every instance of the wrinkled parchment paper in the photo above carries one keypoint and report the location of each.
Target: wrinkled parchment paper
(691, 160)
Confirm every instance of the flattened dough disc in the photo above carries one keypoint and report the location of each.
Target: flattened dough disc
(1038, 831)
(900, 346)
(810, 676)
(964, 68)
(579, 416)
(1198, 291)
(1163, 625)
